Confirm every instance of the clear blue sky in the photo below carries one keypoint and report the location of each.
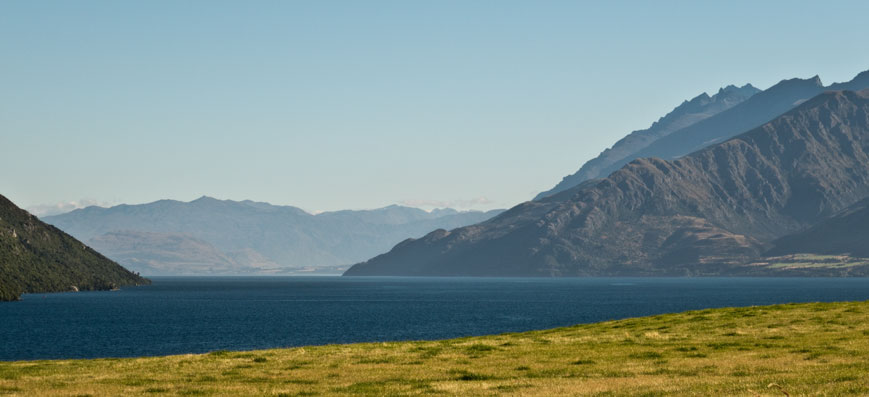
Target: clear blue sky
(359, 104)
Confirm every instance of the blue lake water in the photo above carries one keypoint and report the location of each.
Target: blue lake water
(194, 315)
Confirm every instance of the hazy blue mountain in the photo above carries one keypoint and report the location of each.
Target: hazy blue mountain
(35, 257)
(174, 237)
(728, 122)
(699, 108)
(160, 254)
(707, 213)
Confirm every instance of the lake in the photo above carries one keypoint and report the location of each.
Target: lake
(196, 314)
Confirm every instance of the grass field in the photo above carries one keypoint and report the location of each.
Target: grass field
(795, 349)
(812, 261)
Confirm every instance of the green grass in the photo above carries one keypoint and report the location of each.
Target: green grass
(801, 349)
(812, 261)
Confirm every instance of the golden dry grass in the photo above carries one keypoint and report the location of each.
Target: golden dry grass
(801, 349)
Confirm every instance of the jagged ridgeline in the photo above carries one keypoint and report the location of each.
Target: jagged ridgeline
(704, 121)
(688, 113)
(37, 257)
(708, 213)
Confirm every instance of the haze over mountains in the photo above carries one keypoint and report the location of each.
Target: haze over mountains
(704, 121)
(707, 213)
(210, 236)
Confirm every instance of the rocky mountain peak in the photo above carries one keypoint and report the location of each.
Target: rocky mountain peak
(797, 83)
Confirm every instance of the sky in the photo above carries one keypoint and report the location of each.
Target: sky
(329, 105)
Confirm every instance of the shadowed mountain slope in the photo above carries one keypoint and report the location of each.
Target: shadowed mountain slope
(728, 122)
(35, 257)
(846, 233)
(702, 214)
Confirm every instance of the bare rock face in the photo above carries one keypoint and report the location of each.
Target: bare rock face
(702, 214)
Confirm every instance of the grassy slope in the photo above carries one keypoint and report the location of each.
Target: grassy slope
(814, 261)
(803, 349)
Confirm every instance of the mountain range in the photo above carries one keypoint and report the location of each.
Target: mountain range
(741, 182)
(210, 236)
(708, 213)
(36, 257)
(704, 121)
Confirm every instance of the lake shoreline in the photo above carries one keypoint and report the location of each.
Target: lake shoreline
(196, 315)
(799, 348)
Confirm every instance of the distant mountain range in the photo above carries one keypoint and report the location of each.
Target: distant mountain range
(708, 213)
(210, 236)
(704, 121)
(35, 257)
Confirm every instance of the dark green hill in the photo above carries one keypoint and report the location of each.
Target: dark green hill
(36, 257)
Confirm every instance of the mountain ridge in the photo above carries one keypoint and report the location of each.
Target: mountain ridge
(750, 113)
(688, 112)
(702, 214)
(252, 237)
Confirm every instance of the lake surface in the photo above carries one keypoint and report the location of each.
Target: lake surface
(194, 315)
